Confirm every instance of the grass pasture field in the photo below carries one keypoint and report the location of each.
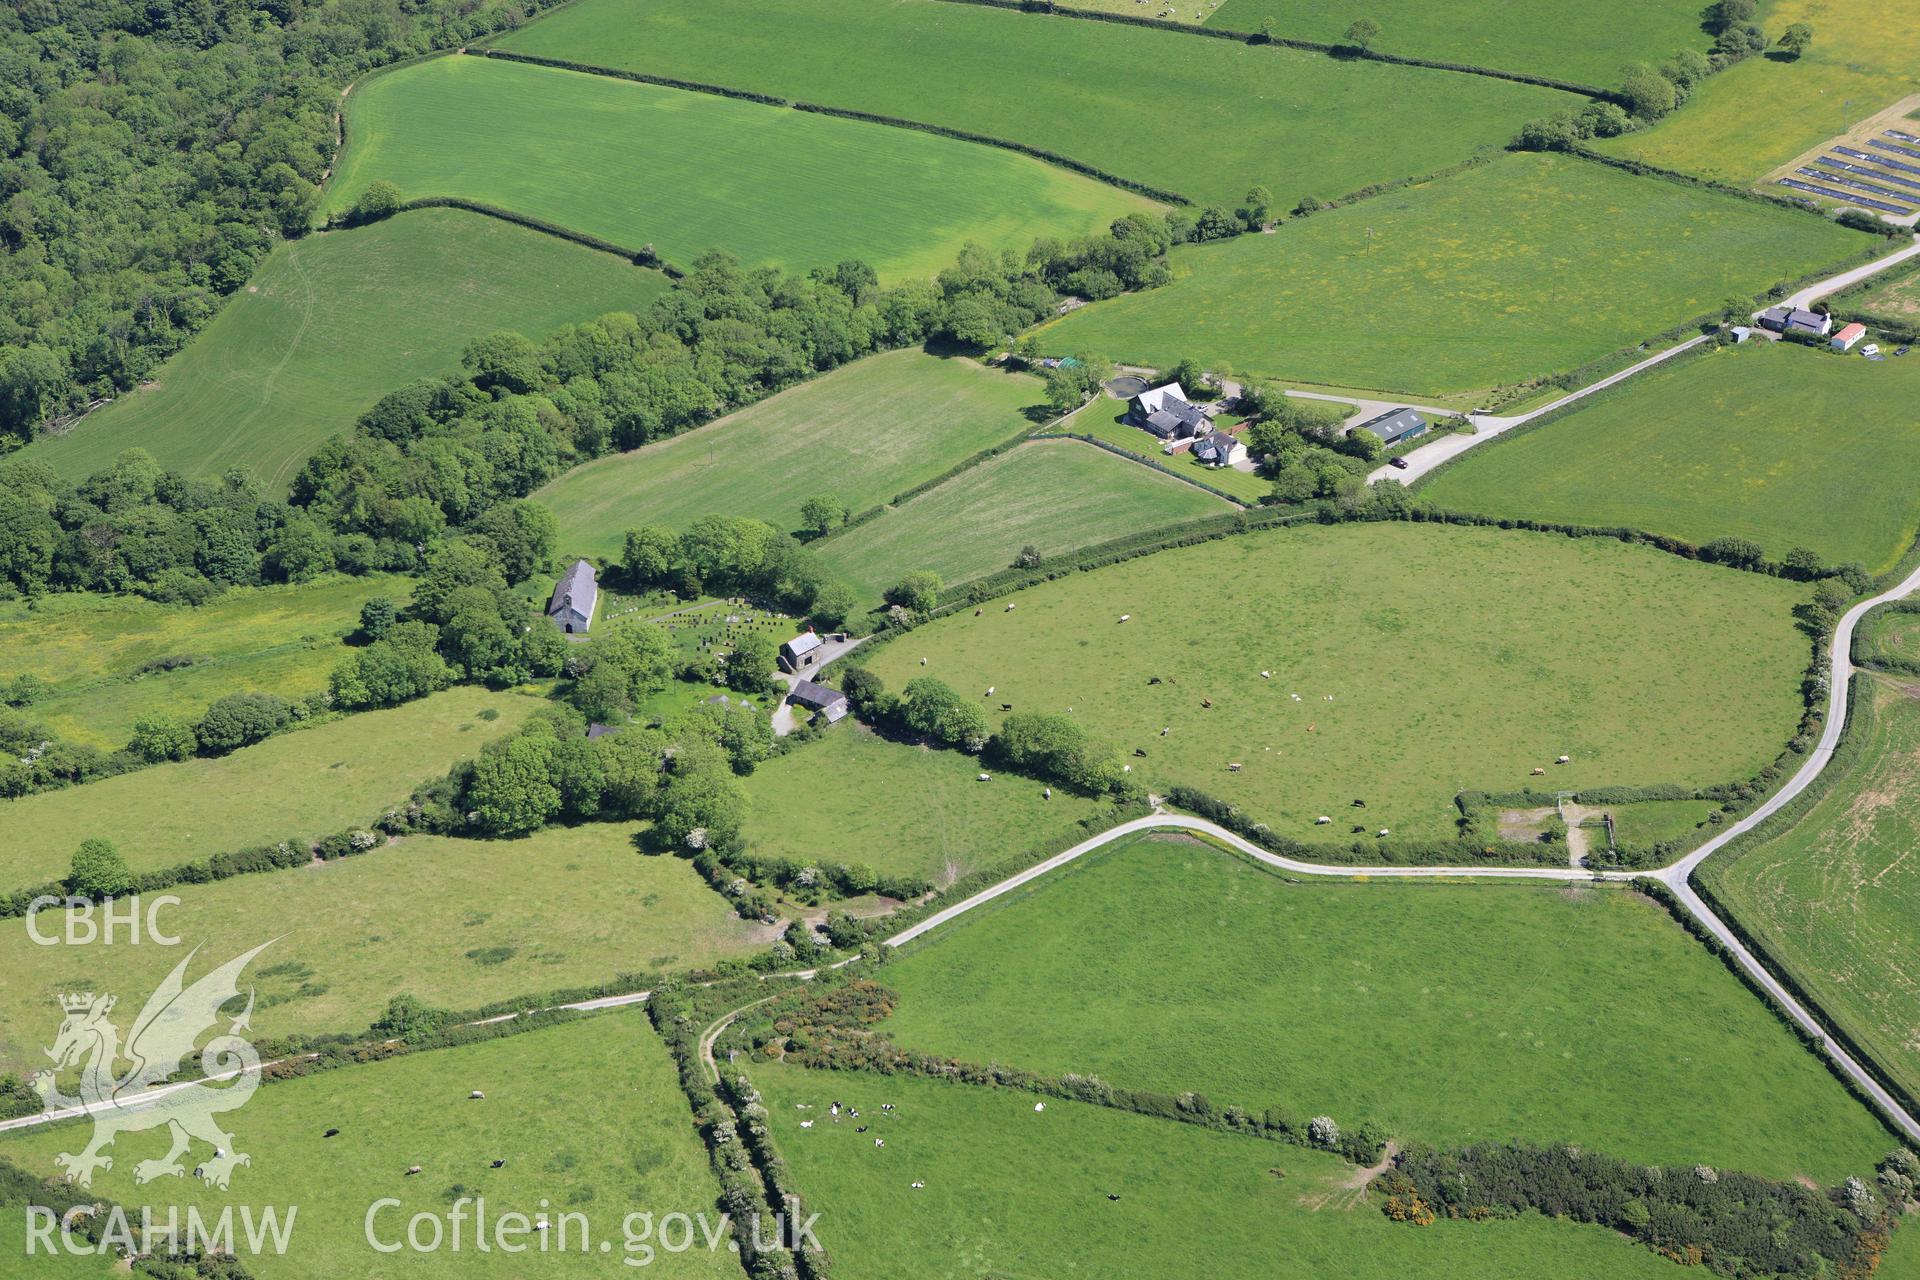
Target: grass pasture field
(587, 1115)
(1054, 495)
(308, 782)
(1895, 297)
(102, 654)
(687, 172)
(1783, 445)
(1445, 1012)
(1863, 58)
(1537, 37)
(1427, 659)
(331, 323)
(1521, 267)
(1011, 1192)
(1650, 822)
(1889, 636)
(855, 797)
(1836, 898)
(862, 433)
(1302, 123)
(440, 918)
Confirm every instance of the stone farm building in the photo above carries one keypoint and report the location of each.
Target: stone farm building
(830, 703)
(798, 652)
(575, 597)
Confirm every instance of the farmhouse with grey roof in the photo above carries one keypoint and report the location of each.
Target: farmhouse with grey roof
(1219, 449)
(1795, 320)
(575, 597)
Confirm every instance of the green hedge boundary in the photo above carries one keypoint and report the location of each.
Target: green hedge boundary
(926, 486)
(1867, 651)
(1144, 461)
(1391, 853)
(1846, 757)
(1659, 893)
(1560, 412)
(1346, 53)
(866, 117)
(1629, 165)
(644, 257)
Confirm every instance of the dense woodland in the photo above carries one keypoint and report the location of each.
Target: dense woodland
(151, 153)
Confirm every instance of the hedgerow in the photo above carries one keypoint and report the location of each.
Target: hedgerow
(1733, 1223)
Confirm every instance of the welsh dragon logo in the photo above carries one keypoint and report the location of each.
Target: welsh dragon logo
(161, 1041)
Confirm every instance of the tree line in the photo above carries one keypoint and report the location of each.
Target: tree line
(152, 153)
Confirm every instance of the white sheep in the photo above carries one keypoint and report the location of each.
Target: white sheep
(1384, 831)
(806, 1124)
(1563, 760)
(1322, 820)
(1125, 617)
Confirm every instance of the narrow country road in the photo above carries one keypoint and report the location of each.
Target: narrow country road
(1492, 426)
(1489, 426)
(1675, 876)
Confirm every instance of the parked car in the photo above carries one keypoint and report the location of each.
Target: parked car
(1400, 463)
(1871, 350)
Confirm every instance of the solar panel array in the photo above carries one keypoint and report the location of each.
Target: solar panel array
(1854, 184)
(1894, 146)
(1835, 162)
(1831, 194)
(1870, 158)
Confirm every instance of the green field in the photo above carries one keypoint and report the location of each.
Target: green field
(862, 434)
(1862, 59)
(1224, 116)
(588, 1117)
(855, 797)
(1054, 495)
(1445, 1012)
(446, 920)
(1639, 826)
(1581, 43)
(688, 172)
(331, 323)
(1013, 1193)
(1889, 637)
(91, 647)
(1896, 297)
(1106, 421)
(309, 782)
(1836, 898)
(1525, 266)
(1454, 657)
(1783, 445)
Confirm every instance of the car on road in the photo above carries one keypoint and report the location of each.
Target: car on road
(1398, 463)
